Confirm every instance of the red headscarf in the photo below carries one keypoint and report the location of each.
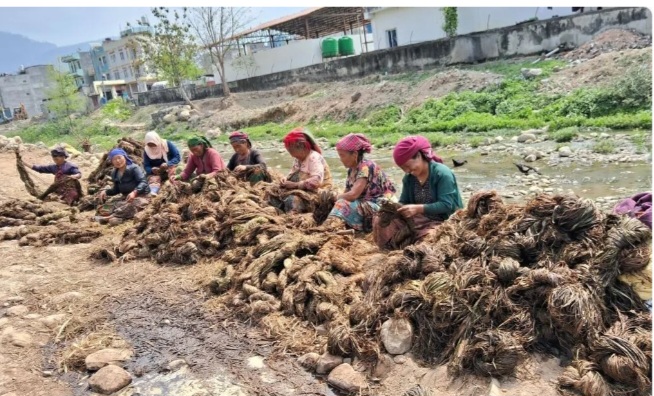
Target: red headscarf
(354, 142)
(301, 136)
(238, 136)
(409, 146)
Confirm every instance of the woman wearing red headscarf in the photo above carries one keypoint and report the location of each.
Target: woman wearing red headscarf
(429, 190)
(366, 183)
(246, 162)
(310, 171)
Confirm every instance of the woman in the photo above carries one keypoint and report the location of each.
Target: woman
(66, 174)
(129, 181)
(429, 190)
(160, 156)
(310, 171)
(246, 162)
(366, 183)
(204, 160)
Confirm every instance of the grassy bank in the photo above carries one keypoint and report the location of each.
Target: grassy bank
(506, 108)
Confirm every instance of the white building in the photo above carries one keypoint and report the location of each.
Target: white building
(397, 26)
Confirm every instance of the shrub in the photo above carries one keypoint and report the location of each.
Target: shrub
(117, 109)
(564, 135)
(604, 147)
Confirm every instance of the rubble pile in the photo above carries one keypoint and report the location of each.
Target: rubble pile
(610, 40)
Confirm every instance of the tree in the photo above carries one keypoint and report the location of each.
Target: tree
(64, 98)
(172, 50)
(451, 21)
(216, 28)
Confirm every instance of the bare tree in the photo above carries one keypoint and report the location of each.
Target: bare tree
(216, 28)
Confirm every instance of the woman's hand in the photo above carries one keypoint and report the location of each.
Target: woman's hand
(290, 185)
(240, 168)
(155, 171)
(102, 196)
(410, 210)
(131, 196)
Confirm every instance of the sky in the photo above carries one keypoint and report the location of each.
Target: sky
(72, 25)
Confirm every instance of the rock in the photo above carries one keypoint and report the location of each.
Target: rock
(396, 335)
(383, 367)
(20, 339)
(47, 373)
(525, 137)
(344, 377)
(104, 357)
(53, 321)
(184, 115)
(176, 364)
(356, 96)
(604, 136)
(169, 118)
(17, 310)
(15, 299)
(531, 73)
(400, 359)
(514, 139)
(556, 69)
(213, 133)
(109, 379)
(3, 321)
(185, 108)
(494, 388)
(535, 190)
(499, 139)
(531, 158)
(67, 297)
(256, 362)
(327, 362)
(17, 140)
(309, 361)
(32, 316)
(565, 151)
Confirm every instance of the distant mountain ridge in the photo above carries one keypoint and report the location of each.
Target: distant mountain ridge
(17, 50)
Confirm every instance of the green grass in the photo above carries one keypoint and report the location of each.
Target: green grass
(51, 133)
(564, 135)
(476, 141)
(512, 69)
(604, 147)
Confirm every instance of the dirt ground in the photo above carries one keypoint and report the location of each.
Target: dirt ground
(76, 306)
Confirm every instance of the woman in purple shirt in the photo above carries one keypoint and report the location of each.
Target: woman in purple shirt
(66, 173)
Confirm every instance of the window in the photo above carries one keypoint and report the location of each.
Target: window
(108, 76)
(391, 35)
(113, 58)
(368, 28)
(117, 73)
(122, 55)
(126, 72)
(104, 60)
(133, 53)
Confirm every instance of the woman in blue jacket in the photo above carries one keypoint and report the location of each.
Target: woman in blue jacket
(160, 156)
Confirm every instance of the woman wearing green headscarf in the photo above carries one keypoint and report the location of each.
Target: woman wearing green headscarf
(204, 159)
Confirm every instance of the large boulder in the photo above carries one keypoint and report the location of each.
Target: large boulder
(327, 363)
(531, 73)
(396, 335)
(525, 137)
(565, 151)
(184, 115)
(169, 118)
(109, 379)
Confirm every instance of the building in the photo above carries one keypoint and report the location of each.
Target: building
(80, 66)
(125, 70)
(292, 42)
(397, 26)
(28, 87)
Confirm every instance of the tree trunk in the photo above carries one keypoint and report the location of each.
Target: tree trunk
(221, 70)
(187, 99)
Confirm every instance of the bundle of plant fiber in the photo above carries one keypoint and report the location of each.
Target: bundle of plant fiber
(25, 176)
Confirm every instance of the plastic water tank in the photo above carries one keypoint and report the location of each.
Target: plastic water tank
(346, 46)
(329, 47)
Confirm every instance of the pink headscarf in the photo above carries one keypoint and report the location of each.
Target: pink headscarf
(409, 146)
(354, 142)
(161, 148)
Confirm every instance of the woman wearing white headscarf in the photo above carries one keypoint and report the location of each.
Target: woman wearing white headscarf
(160, 156)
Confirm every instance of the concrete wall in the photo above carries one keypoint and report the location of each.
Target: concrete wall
(296, 54)
(525, 39)
(29, 88)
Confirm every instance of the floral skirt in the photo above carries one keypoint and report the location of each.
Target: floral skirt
(356, 214)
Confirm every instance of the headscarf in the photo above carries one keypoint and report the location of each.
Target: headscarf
(409, 146)
(354, 142)
(119, 151)
(160, 151)
(238, 136)
(194, 141)
(59, 152)
(301, 136)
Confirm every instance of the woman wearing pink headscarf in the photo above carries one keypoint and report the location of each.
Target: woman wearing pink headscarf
(366, 183)
(429, 190)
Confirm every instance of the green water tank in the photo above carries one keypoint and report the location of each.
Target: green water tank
(346, 46)
(329, 47)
